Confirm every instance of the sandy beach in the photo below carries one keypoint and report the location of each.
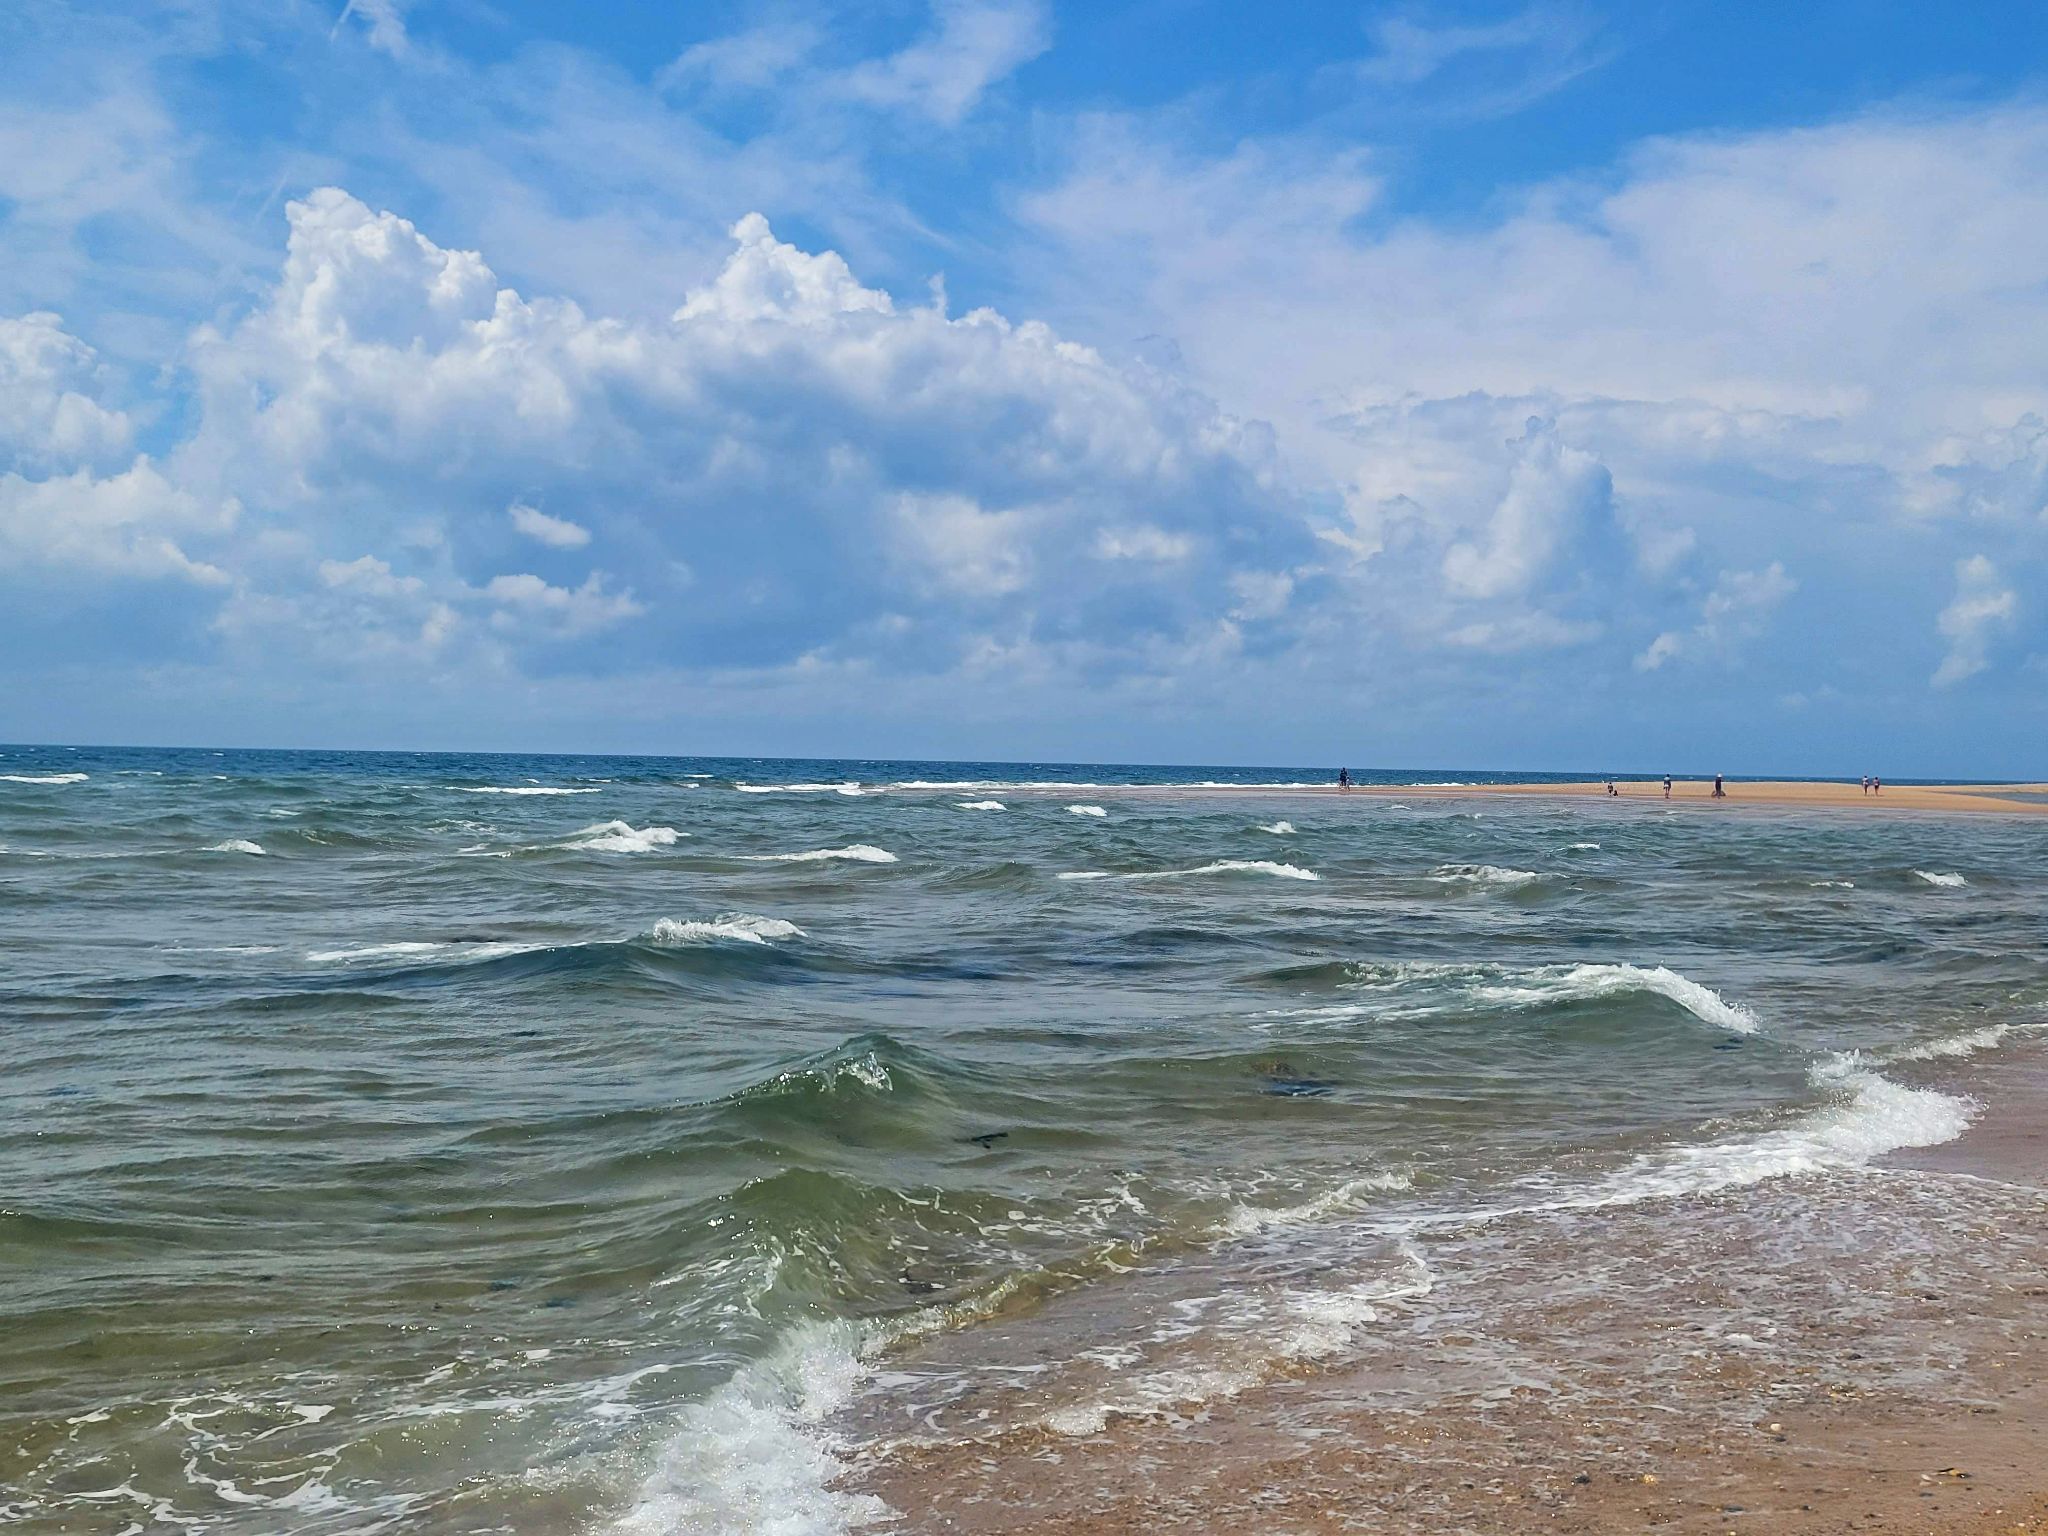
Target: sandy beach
(2006, 799)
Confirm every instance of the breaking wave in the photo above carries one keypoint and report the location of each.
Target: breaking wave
(235, 845)
(980, 805)
(1278, 828)
(1583, 982)
(44, 778)
(619, 837)
(1946, 881)
(518, 789)
(1483, 874)
(1086, 810)
(739, 927)
(859, 853)
(1219, 867)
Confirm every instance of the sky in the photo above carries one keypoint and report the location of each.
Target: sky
(1638, 387)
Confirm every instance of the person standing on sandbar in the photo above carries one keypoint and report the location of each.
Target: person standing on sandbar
(1719, 792)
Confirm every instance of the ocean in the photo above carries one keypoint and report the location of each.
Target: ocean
(420, 1142)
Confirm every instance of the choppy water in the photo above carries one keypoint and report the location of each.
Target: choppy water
(435, 1143)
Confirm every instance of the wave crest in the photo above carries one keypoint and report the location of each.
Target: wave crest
(740, 927)
(620, 837)
(858, 853)
(1585, 982)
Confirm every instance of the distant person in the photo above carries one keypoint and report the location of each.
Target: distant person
(1611, 789)
(1343, 778)
(1866, 783)
(1667, 786)
(1877, 786)
(1719, 792)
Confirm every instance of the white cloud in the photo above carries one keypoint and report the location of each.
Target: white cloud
(787, 446)
(555, 532)
(1554, 494)
(383, 23)
(562, 611)
(974, 44)
(120, 526)
(49, 417)
(1983, 606)
(1736, 611)
(753, 60)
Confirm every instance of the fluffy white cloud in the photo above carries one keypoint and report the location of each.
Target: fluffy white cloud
(122, 525)
(1983, 606)
(1553, 493)
(49, 416)
(787, 459)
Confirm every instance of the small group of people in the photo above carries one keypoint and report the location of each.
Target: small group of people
(1719, 792)
(1343, 778)
(1872, 786)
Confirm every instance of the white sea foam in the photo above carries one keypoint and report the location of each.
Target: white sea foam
(739, 927)
(1584, 847)
(1483, 874)
(1562, 983)
(1245, 1220)
(1086, 810)
(1831, 885)
(518, 789)
(235, 845)
(980, 805)
(1946, 881)
(848, 787)
(44, 778)
(1219, 867)
(619, 837)
(1968, 1043)
(755, 1458)
(859, 853)
(1278, 828)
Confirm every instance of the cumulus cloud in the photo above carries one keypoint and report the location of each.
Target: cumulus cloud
(121, 526)
(1553, 494)
(789, 458)
(1983, 606)
(49, 414)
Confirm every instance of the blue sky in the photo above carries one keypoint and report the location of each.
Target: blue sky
(1646, 386)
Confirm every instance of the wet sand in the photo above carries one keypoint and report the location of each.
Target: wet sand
(1902, 1390)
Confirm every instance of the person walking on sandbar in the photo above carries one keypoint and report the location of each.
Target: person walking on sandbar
(1719, 792)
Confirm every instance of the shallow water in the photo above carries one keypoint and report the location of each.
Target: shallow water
(434, 1143)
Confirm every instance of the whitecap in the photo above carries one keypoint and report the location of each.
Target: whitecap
(1946, 881)
(1087, 810)
(980, 805)
(859, 853)
(235, 845)
(619, 837)
(1483, 874)
(1831, 885)
(1586, 982)
(44, 778)
(848, 787)
(1583, 847)
(1217, 867)
(1278, 828)
(518, 789)
(740, 927)
(1245, 1220)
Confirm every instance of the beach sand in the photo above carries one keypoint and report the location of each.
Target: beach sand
(1926, 1413)
(2009, 799)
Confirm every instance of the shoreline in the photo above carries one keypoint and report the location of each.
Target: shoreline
(1621, 1422)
